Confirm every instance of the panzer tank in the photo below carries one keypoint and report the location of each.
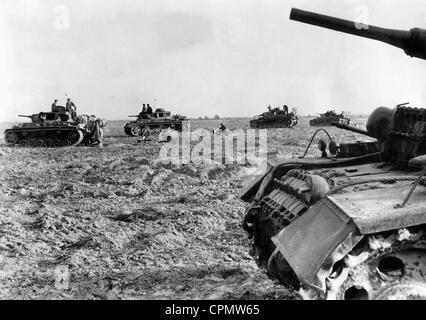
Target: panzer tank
(50, 129)
(350, 223)
(326, 119)
(147, 125)
(275, 118)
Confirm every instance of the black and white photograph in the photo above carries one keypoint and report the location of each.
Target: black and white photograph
(243, 151)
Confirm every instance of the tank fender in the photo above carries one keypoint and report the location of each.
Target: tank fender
(316, 240)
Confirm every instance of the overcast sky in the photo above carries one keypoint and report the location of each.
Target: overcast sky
(202, 57)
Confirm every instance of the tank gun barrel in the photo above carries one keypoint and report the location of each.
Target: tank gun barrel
(133, 116)
(24, 116)
(351, 128)
(413, 42)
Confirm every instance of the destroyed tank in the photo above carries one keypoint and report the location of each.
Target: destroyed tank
(153, 124)
(350, 223)
(326, 119)
(50, 129)
(275, 118)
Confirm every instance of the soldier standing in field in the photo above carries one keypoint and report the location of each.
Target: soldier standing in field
(95, 126)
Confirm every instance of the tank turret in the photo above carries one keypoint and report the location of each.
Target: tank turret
(413, 41)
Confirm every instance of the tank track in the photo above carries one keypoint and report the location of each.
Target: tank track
(327, 122)
(130, 130)
(264, 124)
(44, 138)
(135, 130)
(289, 199)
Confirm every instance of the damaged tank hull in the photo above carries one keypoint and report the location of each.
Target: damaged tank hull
(342, 228)
(349, 226)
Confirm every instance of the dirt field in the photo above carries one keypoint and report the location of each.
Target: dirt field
(114, 223)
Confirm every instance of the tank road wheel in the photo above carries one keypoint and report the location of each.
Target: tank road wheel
(11, 138)
(40, 143)
(136, 131)
(74, 138)
(65, 143)
(388, 268)
(23, 143)
(32, 143)
(56, 143)
(287, 123)
(128, 131)
(48, 143)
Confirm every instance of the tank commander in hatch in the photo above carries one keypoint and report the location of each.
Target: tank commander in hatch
(149, 110)
(144, 113)
(54, 105)
(144, 110)
(285, 108)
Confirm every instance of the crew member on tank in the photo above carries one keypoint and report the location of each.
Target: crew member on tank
(285, 108)
(142, 114)
(71, 108)
(149, 110)
(54, 105)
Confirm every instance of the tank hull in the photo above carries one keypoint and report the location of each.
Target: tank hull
(335, 227)
(53, 136)
(273, 123)
(149, 127)
(328, 121)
